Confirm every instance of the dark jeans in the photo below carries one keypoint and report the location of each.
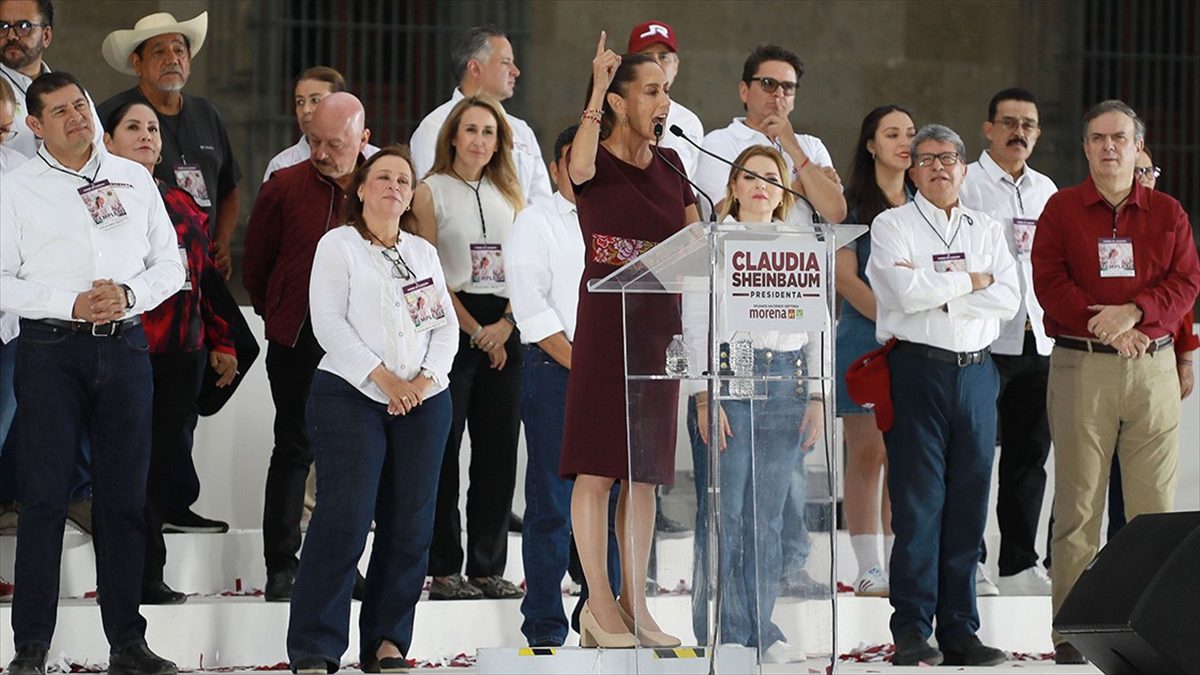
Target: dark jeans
(177, 380)
(184, 481)
(1024, 447)
(940, 454)
(68, 386)
(369, 465)
(290, 371)
(487, 403)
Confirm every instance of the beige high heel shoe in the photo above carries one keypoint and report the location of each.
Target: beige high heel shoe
(592, 635)
(647, 637)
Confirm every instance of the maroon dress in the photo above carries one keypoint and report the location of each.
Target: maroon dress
(623, 212)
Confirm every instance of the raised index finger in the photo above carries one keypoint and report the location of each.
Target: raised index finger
(600, 46)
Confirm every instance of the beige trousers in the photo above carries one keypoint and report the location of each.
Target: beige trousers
(1100, 404)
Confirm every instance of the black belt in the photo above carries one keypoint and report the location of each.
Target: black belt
(959, 359)
(110, 329)
(1099, 347)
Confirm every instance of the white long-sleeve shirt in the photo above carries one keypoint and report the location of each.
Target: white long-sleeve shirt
(359, 313)
(911, 301)
(545, 262)
(51, 250)
(690, 125)
(990, 189)
(527, 155)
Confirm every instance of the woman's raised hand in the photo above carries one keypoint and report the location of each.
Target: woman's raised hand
(604, 66)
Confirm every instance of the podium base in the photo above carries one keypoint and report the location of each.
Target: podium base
(561, 660)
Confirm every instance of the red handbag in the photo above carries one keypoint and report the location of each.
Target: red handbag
(870, 384)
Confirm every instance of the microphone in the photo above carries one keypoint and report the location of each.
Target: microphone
(658, 131)
(817, 217)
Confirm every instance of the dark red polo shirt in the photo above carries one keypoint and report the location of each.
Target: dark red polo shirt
(294, 209)
(1066, 260)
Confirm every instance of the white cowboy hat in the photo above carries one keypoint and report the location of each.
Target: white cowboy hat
(120, 43)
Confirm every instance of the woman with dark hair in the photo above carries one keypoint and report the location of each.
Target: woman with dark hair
(185, 337)
(378, 415)
(878, 181)
(466, 206)
(629, 197)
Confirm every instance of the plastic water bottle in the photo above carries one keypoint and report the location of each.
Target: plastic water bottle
(677, 358)
(741, 350)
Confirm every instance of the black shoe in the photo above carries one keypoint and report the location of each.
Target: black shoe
(30, 660)
(279, 586)
(158, 593)
(969, 651)
(79, 514)
(802, 585)
(515, 523)
(1065, 654)
(137, 659)
(360, 586)
(189, 521)
(313, 665)
(912, 649)
(669, 528)
(388, 664)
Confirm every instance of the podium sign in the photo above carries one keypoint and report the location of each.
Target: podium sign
(777, 284)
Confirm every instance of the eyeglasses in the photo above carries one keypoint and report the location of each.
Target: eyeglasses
(1146, 171)
(400, 269)
(22, 28)
(946, 158)
(1011, 123)
(770, 84)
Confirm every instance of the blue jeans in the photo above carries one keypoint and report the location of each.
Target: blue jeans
(369, 465)
(757, 469)
(70, 386)
(546, 540)
(940, 454)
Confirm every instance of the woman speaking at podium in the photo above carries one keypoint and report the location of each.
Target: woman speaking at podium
(629, 199)
(762, 440)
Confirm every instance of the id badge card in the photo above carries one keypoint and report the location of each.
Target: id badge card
(103, 205)
(487, 267)
(950, 262)
(424, 307)
(189, 177)
(1023, 231)
(1116, 257)
(187, 271)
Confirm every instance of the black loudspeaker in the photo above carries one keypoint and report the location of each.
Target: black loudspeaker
(1136, 608)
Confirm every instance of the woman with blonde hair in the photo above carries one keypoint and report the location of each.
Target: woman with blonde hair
(466, 206)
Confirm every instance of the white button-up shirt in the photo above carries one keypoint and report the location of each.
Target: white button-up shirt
(545, 262)
(51, 250)
(527, 156)
(297, 153)
(911, 301)
(360, 317)
(990, 189)
(690, 124)
(26, 142)
(712, 175)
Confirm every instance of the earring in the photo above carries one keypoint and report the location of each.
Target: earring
(159, 160)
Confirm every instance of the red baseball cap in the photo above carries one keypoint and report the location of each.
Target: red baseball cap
(649, 33)
(869, 382)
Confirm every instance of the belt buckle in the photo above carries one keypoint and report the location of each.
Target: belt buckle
(964, 359)
(107, 329)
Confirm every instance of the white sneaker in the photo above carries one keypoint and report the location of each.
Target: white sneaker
(782, 652)
(872, 584)
(1029, 581)
(984, 586)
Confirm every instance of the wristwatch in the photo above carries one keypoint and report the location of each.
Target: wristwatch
(508, 316)
(431, 376)
(130, 298)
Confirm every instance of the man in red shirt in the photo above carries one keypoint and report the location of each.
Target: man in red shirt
(1113, 385)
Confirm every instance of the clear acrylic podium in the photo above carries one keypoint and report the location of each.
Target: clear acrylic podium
(753, 303)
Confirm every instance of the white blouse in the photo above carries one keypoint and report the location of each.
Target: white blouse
(459, 225)
(360, 317)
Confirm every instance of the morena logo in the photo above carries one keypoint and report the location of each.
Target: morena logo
(655, 29)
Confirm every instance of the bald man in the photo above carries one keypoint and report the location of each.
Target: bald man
(295, 207)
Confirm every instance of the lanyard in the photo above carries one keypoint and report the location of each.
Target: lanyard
(96, 173)
(478, 200)
(1013, 185)
(16, 84)
(173, 127)
(961, 217)
(1116, 208)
